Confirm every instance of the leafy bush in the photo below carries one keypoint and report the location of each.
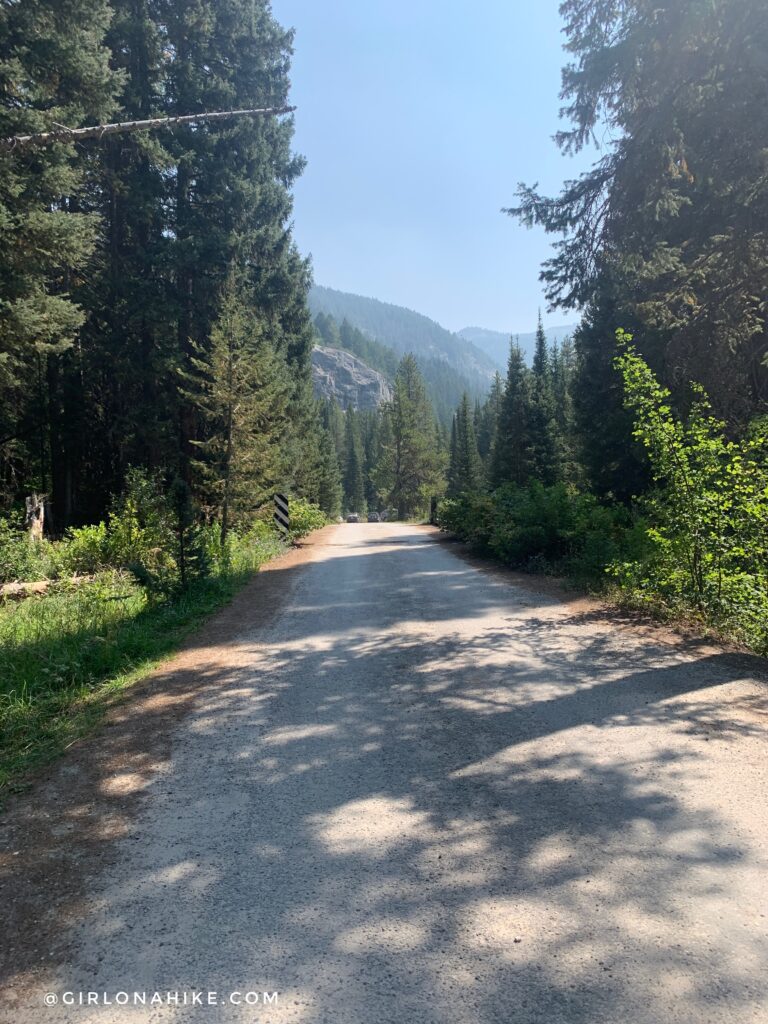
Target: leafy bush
(21, 559)
(305, 517)
(470, 517)
(66, 650)
(552, 528)
(260, 529)
(155, 532)
(141, 534)
(708, 510)
(85, 550)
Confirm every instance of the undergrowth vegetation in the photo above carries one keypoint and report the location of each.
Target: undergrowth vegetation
(122, 594)
(694, 545)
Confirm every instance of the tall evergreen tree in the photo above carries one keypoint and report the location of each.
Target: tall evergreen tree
(354, 466)
(370, 425)
(511, 452)
(232, 202)
(613, 463)
(542, 428)
(328, 330)
(54, 67)
(563, 361)
(241, 389)
(332, 418)
(121, 379)
(162, 219)
(330, 493)
(465, 473)
(410, 466)
(489, 419)
(671, 222)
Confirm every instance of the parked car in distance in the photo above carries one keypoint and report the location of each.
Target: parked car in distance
(353, 517)
(373, 517)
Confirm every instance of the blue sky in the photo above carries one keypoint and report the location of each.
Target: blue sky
(417, 120)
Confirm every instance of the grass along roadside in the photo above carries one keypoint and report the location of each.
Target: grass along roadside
(67, 653)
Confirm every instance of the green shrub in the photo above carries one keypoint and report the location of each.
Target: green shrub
(260, 529)
(533, 522)
(141, 534)
(22, 559)
(708, 511)
(539, 528)
(85, 550)
(305, 517)
(250, 551)
(471, 517)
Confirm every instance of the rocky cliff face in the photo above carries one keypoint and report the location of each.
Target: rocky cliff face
(340, 375)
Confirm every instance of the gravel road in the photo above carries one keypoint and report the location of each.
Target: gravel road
(424, 793)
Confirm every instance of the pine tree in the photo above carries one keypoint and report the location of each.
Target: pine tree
(465, 473)
(232, 203)
(563, 361)
(411, 463)
(328, 330)
(354, 469)
(489, 419)
(241, 390)
(122, 385)
(511, 452)
(613, 462)
(332, 418)
(54, 67)
(164, 215)
(671, 221)
(370, 424)
(330, 494)
(453, 458)
(542, 425)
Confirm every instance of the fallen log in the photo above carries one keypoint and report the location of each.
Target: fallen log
(19, 591)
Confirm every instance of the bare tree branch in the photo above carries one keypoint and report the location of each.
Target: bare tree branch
(64, 134)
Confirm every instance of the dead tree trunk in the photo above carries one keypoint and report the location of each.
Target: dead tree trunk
(35, 521)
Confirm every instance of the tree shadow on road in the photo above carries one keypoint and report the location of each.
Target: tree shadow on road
(394, 808)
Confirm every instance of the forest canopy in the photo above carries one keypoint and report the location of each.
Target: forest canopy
(127, 259)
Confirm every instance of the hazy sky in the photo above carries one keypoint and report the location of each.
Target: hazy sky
(418, 118)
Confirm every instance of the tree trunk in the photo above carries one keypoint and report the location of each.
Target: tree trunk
(35, 520)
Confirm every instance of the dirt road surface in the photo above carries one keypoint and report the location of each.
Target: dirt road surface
(392, 786)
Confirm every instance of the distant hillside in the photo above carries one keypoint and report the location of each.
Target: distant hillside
(445, 385)
(405, 331)
(495, 344)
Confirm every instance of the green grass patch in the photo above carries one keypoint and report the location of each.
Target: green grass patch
(66, 653)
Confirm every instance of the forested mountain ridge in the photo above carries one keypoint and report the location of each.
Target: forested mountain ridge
(404, 330)
(444, 384)
(496, 343)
